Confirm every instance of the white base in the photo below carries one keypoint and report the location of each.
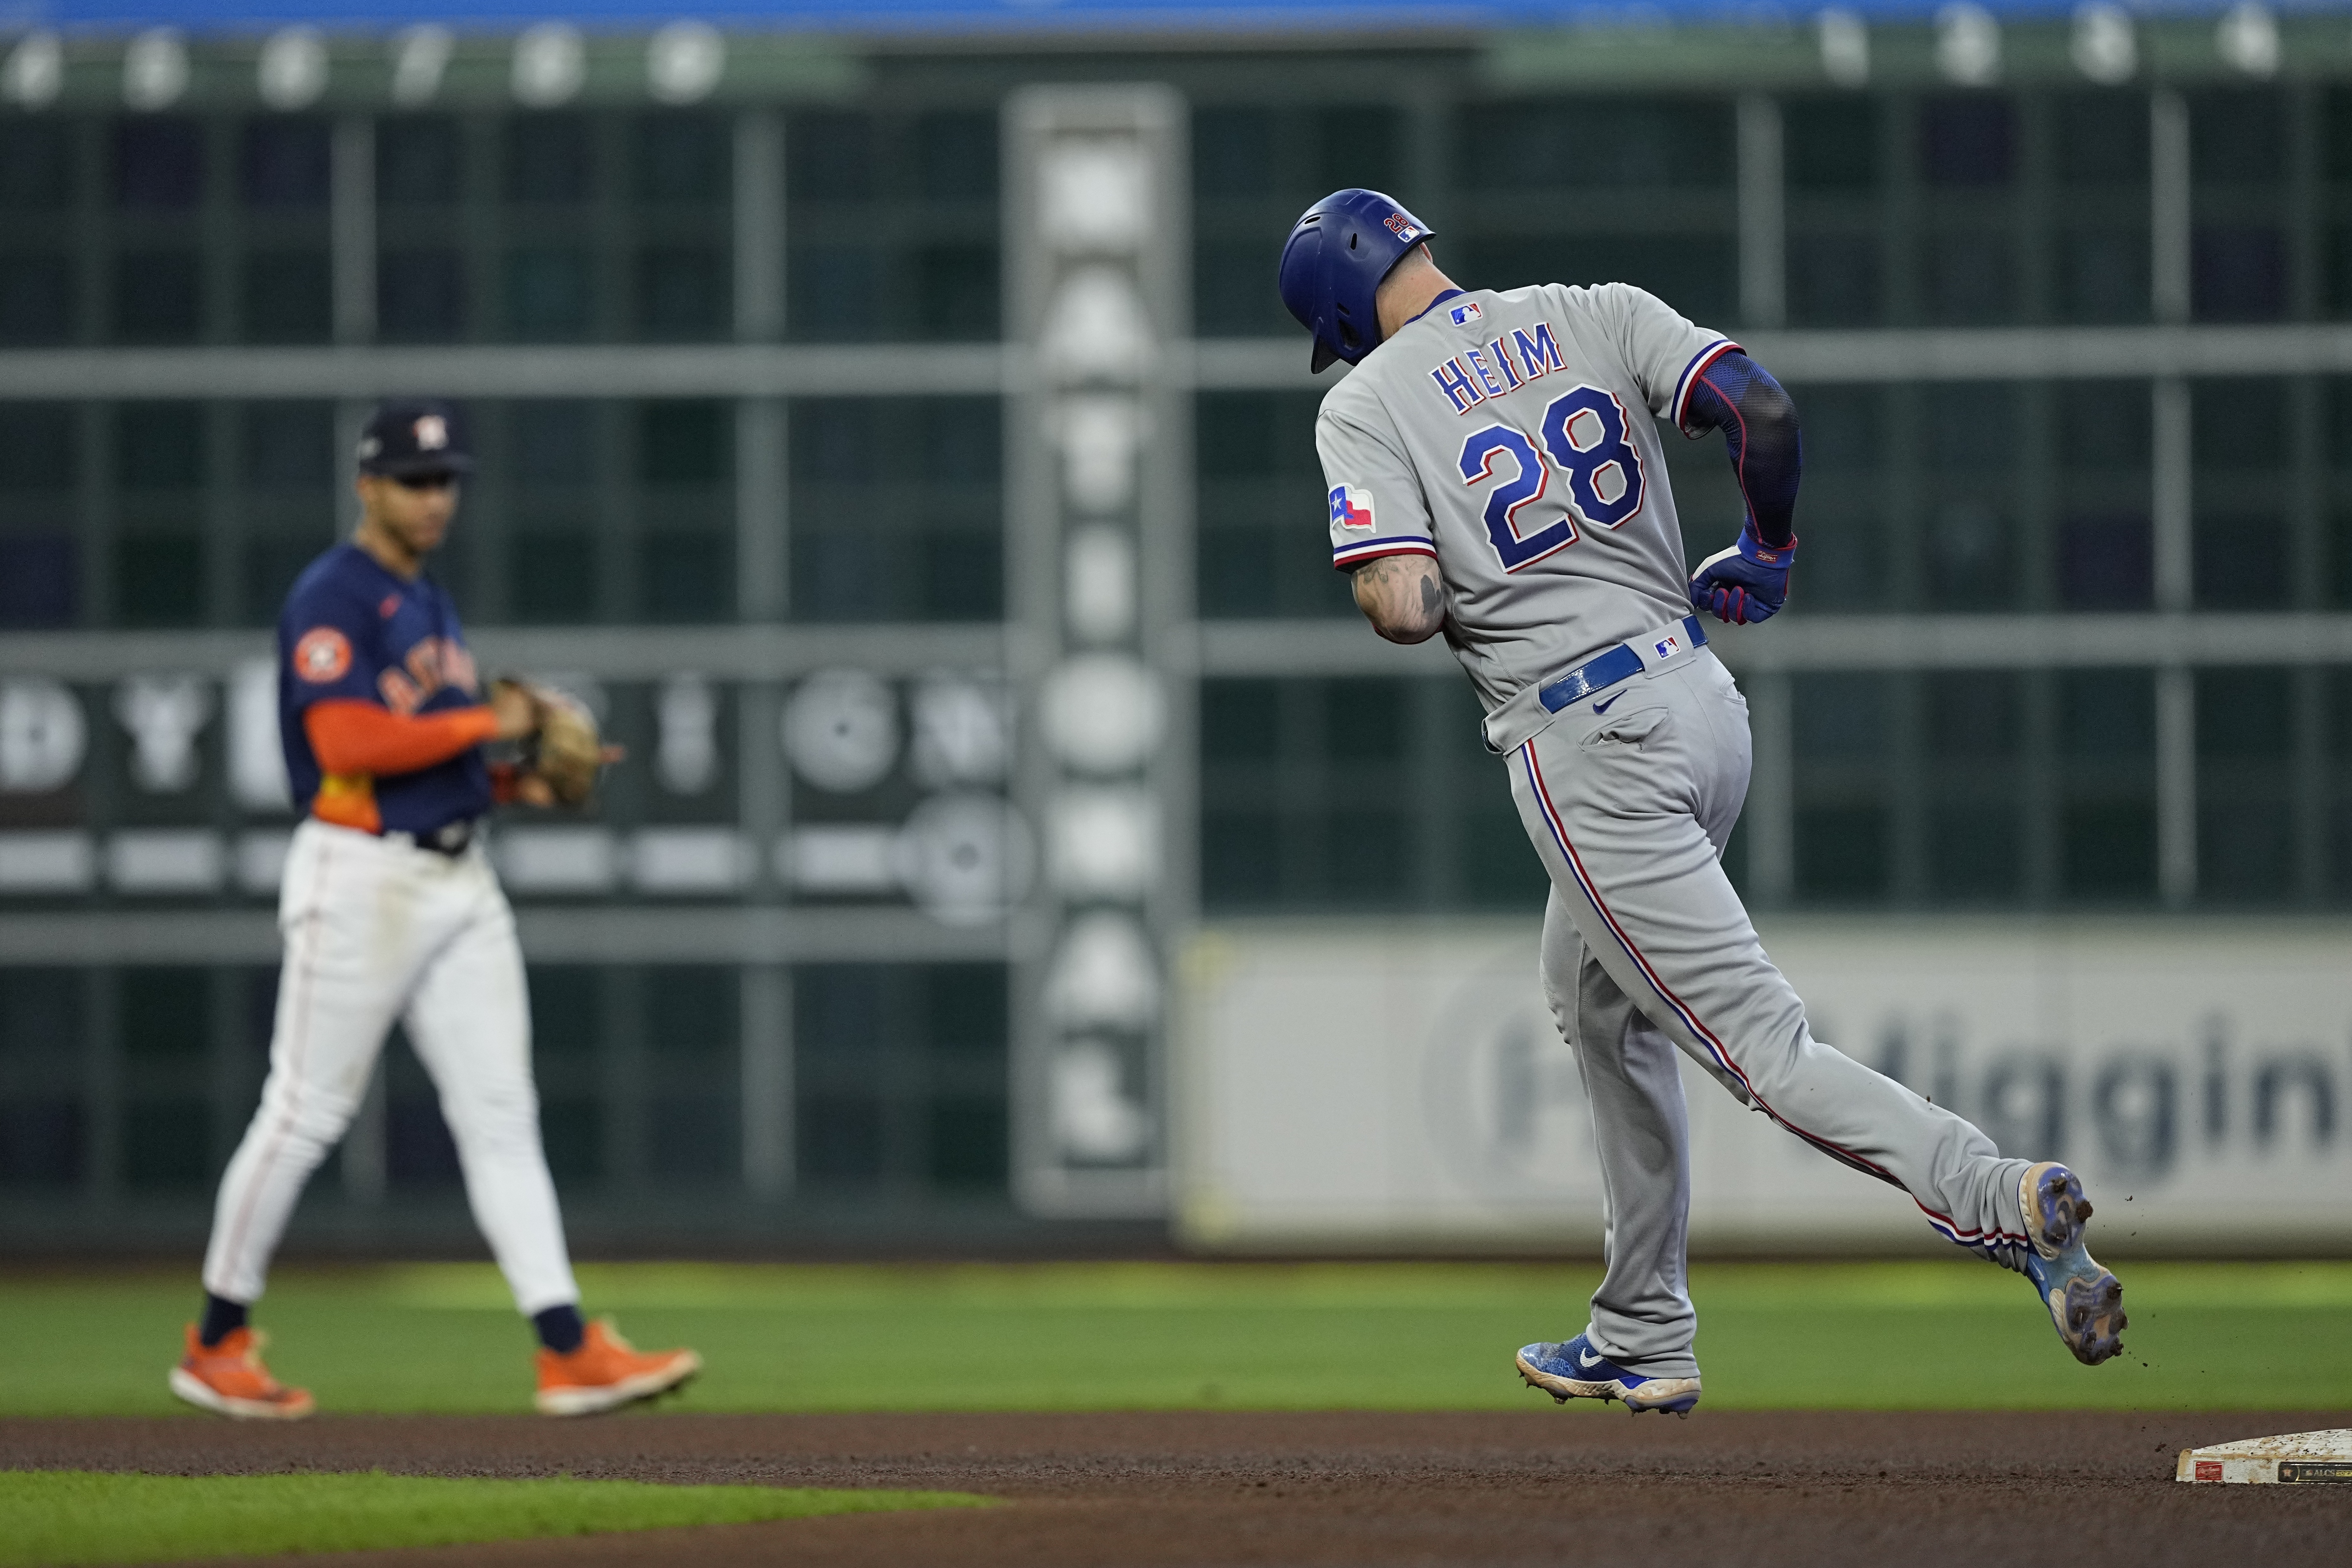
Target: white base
(2294, 1457)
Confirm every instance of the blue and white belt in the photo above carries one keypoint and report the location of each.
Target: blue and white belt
(1603, 671)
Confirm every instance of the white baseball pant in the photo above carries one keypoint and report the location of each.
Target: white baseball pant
(377, 929)
(1647, 949)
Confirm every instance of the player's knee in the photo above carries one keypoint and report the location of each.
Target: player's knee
(500, 1122)
(310, 1116)
(1780, 1050)
(1562, 1008)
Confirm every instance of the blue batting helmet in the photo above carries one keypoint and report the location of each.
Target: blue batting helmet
(1332, 265)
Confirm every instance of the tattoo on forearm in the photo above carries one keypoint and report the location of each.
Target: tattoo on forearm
(1401, 596)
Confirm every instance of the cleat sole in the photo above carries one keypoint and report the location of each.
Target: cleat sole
(2086, 1300)
(2094, 1318)
(187, 1386)
(2058, 1209)
(1677, 1396)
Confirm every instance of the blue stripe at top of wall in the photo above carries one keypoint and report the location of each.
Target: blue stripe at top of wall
(245, 16)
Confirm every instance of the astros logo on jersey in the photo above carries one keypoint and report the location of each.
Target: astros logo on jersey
(432, 663)
(1351, 507)
(323, 655)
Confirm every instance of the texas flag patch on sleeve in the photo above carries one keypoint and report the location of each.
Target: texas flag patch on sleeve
(1351, 507)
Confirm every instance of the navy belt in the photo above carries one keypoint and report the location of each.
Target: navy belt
(1605, 670)
(451, 839)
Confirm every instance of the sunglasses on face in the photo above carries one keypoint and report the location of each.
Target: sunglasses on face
(425, 481)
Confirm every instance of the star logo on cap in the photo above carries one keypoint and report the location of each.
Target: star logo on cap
(432, 432)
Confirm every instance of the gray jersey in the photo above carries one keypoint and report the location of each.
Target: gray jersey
(1509, 435)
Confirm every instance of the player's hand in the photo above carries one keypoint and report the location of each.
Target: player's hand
(1745, 583)
(512, 705)
(533, 788)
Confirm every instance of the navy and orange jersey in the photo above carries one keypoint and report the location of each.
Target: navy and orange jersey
(354, 631)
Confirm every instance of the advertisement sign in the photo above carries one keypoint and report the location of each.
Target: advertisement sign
(1391, 1085)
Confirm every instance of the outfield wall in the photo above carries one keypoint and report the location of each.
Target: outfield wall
(969, 650)
(1381, 1085)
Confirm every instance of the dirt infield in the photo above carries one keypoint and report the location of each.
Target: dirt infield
(1582, 1485)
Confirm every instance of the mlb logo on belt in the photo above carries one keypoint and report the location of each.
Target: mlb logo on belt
(1669, 646)
(1465, 313)
(1351, 507)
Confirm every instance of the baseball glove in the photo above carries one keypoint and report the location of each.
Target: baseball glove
(561, 758)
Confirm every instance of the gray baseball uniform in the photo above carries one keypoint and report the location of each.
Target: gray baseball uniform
(1506, 434)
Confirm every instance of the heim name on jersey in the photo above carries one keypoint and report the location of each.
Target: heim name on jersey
(1498, 433)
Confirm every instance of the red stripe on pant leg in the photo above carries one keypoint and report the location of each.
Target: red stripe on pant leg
(1714, 1045)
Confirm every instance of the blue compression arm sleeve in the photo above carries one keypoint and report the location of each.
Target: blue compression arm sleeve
(1738, 396)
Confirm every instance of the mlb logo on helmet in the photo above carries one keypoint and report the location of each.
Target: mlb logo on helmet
(1404, 227)
(1351, 507)
(1465, 313)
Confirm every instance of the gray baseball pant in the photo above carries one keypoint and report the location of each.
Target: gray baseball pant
(1646, 949)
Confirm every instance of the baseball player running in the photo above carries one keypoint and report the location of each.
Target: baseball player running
(1495, 475)
(390, 910)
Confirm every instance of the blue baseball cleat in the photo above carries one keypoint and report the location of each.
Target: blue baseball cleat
(2084, 1300)
(1577, 1371)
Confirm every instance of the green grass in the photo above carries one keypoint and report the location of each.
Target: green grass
(78, 1516)
(1931, 1334)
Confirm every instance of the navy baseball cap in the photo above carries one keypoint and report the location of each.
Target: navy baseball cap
(415, 436)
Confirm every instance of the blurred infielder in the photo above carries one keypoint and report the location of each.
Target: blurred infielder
(390, 910)
(1496, 474)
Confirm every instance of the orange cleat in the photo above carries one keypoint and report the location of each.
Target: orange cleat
(605, 1373)
(229, 1377)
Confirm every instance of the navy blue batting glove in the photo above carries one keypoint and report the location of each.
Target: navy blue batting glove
(1745, 583)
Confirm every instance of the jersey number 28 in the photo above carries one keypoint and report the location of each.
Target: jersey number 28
(1584, 435)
